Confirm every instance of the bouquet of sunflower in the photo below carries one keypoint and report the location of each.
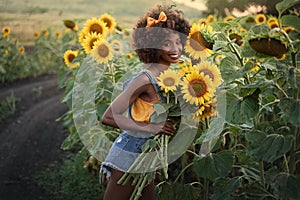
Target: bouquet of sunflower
(189, 92)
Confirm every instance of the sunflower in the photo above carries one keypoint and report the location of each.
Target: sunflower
(210, 70)
(272, 20)
(260, 19)
(186, 70)
(219, 58)
(58, 34)
(269, 46)
(203, 21)
(229, 18)
(280, 57)
(116, 45)
(81, 36)
(5, 31)
(36, 34)
(197, 88)
(69, 56)
(211, 18)
(288, 29)
(197, 46)
(95, 25)
(273, 25)
(70, 25)
(89, 40)
(45, 32)
(6, 52)
(21, 49)
(250, 19)
(168, 80)
(206, 110)
(255, 67)
(109, 21)
(237, 37)
(102, 51)
(184, 63)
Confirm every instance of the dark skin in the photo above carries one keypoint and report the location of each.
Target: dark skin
(141, 87)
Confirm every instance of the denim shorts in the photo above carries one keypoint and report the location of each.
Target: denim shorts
(123, 152)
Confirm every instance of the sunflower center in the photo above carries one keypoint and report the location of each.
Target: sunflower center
(198, 42)
(261, 19)
(169, 82)
(197, 88)
(207, 72)
(107, 21)
(274, 25)
(103, 50)
(195, 42)
(96, 28)
(71, 57)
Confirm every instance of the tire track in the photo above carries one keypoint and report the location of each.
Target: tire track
(30, 141)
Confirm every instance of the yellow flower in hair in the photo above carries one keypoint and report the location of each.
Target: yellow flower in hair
(161, 18)
(168, 80)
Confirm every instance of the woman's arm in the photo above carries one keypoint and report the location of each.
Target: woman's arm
(114, 117)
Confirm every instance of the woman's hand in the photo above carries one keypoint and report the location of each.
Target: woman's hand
(167, 127)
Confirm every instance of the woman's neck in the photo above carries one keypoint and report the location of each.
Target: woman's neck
(157, 68)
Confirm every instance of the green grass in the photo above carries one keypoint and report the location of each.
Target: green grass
(26, 17)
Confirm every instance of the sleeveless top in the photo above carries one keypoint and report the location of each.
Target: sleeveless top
(141, 110)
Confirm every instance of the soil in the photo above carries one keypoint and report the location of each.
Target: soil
(30, 139)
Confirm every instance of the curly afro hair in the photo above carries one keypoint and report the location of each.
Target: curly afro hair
(146, 41)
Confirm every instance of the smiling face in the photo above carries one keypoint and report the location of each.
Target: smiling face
(170, 50)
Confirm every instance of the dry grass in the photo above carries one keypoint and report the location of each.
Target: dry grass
(28, 16)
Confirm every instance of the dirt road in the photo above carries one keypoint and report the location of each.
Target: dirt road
(30, 139)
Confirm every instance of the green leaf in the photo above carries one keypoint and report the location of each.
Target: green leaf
(291, 110)
(101, 108)
(291, 20)
(224, 187)
(255, 137)
(215, 129)
(229, 69)
(168, 191)
(213, 166)
(240, 110)
(272, 147)
(287, 186)
(285, 4)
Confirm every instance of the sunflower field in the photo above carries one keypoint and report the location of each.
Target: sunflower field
(245, 76)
